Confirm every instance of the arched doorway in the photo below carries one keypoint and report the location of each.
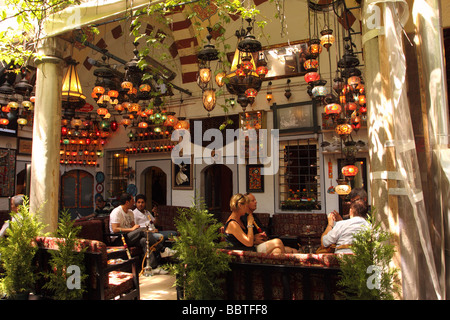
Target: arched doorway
(218, 180)
(77, 193)
(155, 186)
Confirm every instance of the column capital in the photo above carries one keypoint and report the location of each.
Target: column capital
(49, 50)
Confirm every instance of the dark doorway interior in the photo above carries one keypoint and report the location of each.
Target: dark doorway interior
(218, 189)
(156, 186)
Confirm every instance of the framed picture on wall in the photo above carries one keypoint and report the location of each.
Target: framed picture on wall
(254, 178)
(24, 146)
(295, 117)
(182, 174)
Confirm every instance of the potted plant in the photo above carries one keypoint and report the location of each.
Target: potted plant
(367, 274)
(200, 266)
(61, 281)
(17, 251)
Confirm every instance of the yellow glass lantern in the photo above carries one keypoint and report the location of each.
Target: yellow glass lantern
(204, 75)
(343, 129)
(71, 88)
(342, 188)
(209, 99)
(219, 78)
(182, 124)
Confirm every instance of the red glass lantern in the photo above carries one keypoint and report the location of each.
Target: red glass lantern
(171, 121)
(251, 93)
(102, 112)
(240, 72)
(350, 106)
(262, 71)
(145, 87)
(312, 76)
(349, 170)
(114, 126)
(4, 121)
(333, 108)
(143, 125)
(247, 66)
(63, 131)
(311, 64)
(113, 93)
(98, 91)
(362, 99)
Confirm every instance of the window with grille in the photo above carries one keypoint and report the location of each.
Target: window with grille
(117, 165)
(299, 178)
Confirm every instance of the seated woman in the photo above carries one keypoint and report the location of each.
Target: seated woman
(340, 232)
(241, 237)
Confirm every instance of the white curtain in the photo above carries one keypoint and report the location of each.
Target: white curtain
(420, 278)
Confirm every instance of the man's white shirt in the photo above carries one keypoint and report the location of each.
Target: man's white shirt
(142, 218)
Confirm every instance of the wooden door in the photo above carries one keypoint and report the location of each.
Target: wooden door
(77, 193)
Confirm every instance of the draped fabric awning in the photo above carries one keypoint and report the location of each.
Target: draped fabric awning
(89, 12)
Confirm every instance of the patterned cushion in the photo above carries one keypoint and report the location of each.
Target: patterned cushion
(294, 259)
(118, 282)
(292, 224)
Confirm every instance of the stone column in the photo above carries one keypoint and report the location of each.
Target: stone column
(381, 130)
(45, 174)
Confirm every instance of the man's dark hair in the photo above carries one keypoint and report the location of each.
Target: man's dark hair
(358, 192)
(140, 196)
(99, 197)
(124, 198)
(359, 208)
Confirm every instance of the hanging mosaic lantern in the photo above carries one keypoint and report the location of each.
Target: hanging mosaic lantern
(349, 170)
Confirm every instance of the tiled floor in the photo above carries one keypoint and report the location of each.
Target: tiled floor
(157, 287)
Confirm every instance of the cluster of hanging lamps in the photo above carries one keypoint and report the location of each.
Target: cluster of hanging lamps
(204, 77)
(245, 76)
(344, 99)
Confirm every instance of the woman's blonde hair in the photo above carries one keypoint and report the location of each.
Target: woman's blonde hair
(236, 199)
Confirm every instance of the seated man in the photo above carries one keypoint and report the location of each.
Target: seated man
(341, 232)
(144, 218)
(122, 221)
(15, 202)
(101, 206)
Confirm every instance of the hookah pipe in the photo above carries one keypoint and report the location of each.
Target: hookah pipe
(126, 246)
(149, 250)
